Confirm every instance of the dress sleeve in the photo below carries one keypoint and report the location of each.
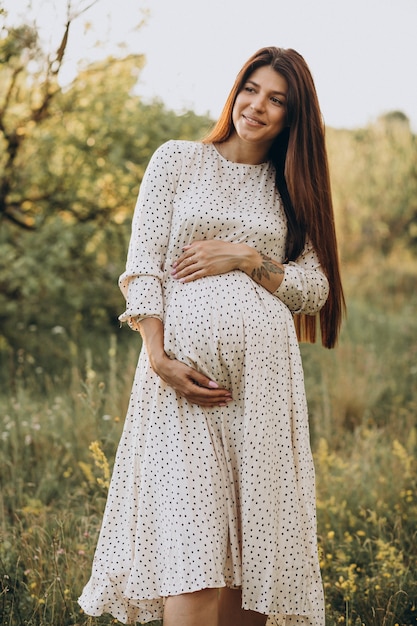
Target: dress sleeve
(141, 283)
(305, 287)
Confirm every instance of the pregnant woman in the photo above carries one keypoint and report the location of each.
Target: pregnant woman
(210, 519)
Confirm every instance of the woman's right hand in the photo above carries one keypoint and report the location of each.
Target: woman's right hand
(191, 384)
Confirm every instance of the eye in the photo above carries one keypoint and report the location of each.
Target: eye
(248, 89)
(277, 101)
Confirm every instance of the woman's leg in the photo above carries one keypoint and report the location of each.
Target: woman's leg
(231, 612)
(192, 609)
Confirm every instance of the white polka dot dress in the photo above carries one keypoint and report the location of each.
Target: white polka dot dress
(208, 497)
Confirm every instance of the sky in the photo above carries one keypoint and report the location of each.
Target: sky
(362, 53)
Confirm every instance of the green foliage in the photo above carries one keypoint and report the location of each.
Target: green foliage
(367, 511)
(14, 42)
(374, 180)
(372, 372)
(74, 183)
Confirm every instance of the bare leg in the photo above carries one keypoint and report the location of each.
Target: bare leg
(231, 612)
(192, 609)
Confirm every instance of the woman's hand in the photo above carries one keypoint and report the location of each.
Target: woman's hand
(209, 257)
(192, 385)
(186, 381)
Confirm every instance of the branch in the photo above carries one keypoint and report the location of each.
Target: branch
(61, 50)
(54, 66)
(74, 17)
(14, 214)
(8, 96)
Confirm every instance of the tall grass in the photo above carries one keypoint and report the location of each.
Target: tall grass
(367, 512)
(53, 488)
(57, 447)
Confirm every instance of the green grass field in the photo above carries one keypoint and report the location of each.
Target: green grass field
(57, 448)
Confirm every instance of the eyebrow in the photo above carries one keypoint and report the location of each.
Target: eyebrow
(281, 93)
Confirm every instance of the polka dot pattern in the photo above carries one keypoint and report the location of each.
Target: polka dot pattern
(208, 497)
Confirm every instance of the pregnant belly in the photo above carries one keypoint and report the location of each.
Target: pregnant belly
(210, 323)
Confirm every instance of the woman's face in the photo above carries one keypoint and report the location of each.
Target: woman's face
(260, 109)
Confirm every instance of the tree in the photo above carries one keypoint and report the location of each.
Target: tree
(26, 103)
(374, 180)
(70, 190)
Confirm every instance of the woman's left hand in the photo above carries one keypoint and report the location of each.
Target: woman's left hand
(209, 257)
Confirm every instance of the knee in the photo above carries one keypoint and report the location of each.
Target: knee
(196, 597)
(200, 602)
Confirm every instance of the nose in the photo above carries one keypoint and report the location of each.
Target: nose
(258, 102)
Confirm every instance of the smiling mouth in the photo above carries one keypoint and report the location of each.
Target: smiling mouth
(253, 121)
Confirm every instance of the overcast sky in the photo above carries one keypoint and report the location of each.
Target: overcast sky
(362, 53)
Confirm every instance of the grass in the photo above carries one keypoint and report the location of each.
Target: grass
(56, 449)
(367, 514)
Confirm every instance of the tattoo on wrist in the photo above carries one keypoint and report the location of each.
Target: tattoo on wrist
(268, 267)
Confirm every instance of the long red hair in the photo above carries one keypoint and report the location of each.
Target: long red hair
(302, 178)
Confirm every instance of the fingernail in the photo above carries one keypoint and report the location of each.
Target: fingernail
(213, 385)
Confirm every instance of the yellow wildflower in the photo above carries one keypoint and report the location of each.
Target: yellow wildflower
(101, 462)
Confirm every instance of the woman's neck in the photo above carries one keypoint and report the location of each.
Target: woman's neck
(238, 151)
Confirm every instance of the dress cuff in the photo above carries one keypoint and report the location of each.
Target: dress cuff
(143, 299)
(302, 290)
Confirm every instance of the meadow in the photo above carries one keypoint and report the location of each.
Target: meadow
(57, 444)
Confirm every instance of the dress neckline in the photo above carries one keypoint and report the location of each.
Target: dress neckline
(235, 163)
